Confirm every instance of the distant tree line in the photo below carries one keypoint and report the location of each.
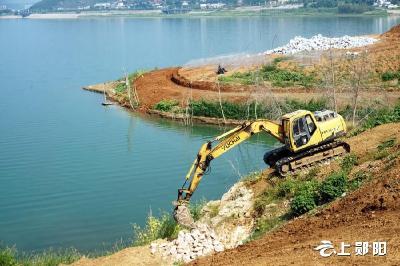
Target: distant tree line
(343, 6)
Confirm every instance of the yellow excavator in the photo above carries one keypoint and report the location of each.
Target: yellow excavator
(308, 137)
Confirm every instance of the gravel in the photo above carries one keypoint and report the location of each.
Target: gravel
(321, 43)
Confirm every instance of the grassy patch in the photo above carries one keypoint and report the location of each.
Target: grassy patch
(251, 178)
(264, 225)
(358, 179)
(195, 209)
(214, 210)
(389, 143)
(379, 117)
(50, 257)
(247, 111)
(156, 228)
(348, 162)
(383, 149)
(120, 88)
(303, 202)
(246, 78)
(390, 75)
(270, 72)
(332, 187)
(138, 73)
(285, 78)
(166, 105)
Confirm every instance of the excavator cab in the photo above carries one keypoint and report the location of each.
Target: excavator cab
(303, 128)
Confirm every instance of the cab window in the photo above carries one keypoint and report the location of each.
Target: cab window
(303, 129)
(311, 125)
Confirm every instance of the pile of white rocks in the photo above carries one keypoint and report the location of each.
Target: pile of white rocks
(188, 246)
(321, 43)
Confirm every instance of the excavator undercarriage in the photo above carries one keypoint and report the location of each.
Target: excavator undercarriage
(290, 163)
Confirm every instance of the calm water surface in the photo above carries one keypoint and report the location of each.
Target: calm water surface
(73, 173)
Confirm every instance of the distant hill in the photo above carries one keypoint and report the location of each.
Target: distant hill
(54, 4)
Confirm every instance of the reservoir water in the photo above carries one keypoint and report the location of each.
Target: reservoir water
(73, 173)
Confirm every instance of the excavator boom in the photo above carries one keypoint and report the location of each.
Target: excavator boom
(207, 153)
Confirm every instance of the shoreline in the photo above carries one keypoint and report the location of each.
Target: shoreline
(172, 87)
(197, 14)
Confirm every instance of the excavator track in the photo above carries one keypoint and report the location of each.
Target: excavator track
(301, 161)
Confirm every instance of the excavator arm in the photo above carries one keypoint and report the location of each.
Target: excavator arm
(207, 153)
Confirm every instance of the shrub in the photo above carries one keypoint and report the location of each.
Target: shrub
(244, 111)
(303, 202)
(332, 187)
(312, 105)
(155, 228)
(166, 105)
(389, 75)
(383, 116)
(287, 188)
(305, 197)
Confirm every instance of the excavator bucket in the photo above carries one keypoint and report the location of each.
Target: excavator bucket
(183, 217)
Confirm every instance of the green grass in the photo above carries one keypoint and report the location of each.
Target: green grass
(264, 225)
(156, 228)
(390, 75)
(285, 78)
(348, 162)
(120, 88)
(11, 257)
(389, 143)
(332, 187)
(214, 210)
(272, 73)
(195, 209)
(384, 149)
(378, 117)
(358, 179)
(243, 111)
(138, 73)
(166, 105)
(251, 178)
